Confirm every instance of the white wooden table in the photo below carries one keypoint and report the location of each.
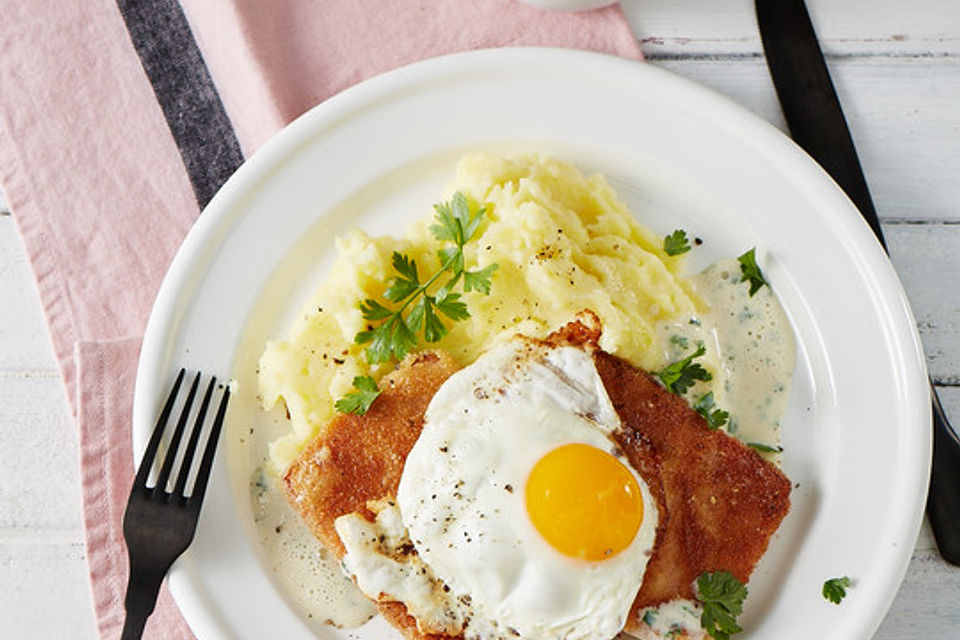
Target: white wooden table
(897, 69)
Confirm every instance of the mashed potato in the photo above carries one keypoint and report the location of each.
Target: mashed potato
(563, 242)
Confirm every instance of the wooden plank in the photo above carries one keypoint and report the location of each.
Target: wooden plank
(24, 340)
(902, 113)
(852, 27)
(927, 259)
(46, 592)
(926, 599)
(39, 464)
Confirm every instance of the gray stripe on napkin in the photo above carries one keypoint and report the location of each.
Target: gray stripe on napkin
(185, 91)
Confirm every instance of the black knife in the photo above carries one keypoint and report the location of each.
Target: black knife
(815, 119)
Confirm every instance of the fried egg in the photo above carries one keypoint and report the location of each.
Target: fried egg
(518, 501)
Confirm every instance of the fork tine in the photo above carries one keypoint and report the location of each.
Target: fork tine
(171, 454)
(203, 474)
(188, 453)
(146, 462)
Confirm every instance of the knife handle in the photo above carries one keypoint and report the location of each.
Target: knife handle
(943, 501)
(809, 100)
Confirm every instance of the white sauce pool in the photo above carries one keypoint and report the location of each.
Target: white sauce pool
(305, 572)
(750, 354)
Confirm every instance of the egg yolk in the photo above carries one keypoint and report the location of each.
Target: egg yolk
(584, 502)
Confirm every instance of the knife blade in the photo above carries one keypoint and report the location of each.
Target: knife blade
(816, 122)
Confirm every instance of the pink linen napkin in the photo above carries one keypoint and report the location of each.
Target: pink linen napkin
(120, 119)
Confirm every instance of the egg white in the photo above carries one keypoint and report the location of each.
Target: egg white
(462, 500)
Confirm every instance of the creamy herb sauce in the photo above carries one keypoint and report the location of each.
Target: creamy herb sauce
(309, 575)
(750, 353)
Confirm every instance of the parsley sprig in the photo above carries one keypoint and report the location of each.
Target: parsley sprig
(706, 406)
(681, 375)
(393, 331)
(835, 589)
(722, 597)
(359, 401)
(750, 272)
(676, 243)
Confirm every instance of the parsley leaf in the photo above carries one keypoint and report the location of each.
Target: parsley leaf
(722, 597)
(394, 338)
(392, 333)
(705, 406)
(359, 401)
(479, 280)
(681, 375)
(455, 221)
(449, 304)
(676, 243)
(835, 589)
(407, 282)
(764, 448)
(750, 272)
(373, 310)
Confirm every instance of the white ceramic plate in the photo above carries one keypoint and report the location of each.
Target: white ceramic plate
(856, 432)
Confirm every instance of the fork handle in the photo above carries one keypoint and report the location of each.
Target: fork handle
(142, 591)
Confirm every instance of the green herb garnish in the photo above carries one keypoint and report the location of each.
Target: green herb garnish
(722, 598)
(750, 272)
(705, 406)
(764, 448)
(359, 401)
(835, 589)
(396, 334)
(676, 243)
(681, 375)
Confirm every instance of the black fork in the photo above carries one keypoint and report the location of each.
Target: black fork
(158, 525)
